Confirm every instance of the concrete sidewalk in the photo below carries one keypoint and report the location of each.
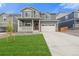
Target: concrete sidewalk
(61, 44)
(3, 35)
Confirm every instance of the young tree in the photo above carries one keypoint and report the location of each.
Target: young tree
(9, 28)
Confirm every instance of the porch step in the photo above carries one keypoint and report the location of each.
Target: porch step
(35, 31)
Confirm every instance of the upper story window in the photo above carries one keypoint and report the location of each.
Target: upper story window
(77, 15)
(66, 17)
(34, 13)
(26, 14)
(46, 16)
(4, 18)
(43, 16)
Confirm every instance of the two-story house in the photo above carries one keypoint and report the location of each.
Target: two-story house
(33, 20)
(66, 20)
(4, 18)
(76, 19)
(70, 20)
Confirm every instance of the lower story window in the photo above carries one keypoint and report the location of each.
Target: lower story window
(27, 24)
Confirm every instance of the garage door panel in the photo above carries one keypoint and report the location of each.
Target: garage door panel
(47, 23)
(48, 26)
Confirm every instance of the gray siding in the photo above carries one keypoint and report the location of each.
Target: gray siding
(30, 12)
(70, 16)
(2, 29)
(15, 22)
(69, 22)
(4, 22)
(48, 17)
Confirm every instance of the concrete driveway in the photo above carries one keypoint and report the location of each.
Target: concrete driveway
(62, 44)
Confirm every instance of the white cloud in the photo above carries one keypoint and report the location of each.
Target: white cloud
(69, 6)
(0, 4)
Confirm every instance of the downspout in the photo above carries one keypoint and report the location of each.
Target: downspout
(57, 27)
(74, 21)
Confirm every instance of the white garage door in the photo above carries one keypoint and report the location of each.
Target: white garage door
(48, 28)
(2, 29)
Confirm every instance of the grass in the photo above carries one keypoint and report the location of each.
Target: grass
(24, 45)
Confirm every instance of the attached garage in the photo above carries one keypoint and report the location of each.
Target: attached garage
(2, 29)
(48, 26)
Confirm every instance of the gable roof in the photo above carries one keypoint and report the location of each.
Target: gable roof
(30, 8)
(76, 11)
(38, 10)
(10, 14)
(61, 15)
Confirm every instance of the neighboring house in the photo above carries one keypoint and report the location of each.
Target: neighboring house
(30, 20)
(76, 19)
(4, 18)
(66, 20)
(71, 20)
(33, 20)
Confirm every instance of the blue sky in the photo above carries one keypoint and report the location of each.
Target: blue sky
(15, 8)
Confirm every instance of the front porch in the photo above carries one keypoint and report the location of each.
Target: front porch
(28, 25)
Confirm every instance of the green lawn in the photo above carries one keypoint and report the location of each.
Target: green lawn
(24, 45)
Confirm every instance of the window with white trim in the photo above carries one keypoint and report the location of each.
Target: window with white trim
(4, 18)
(28, 14)
(66, 17)
(27, 24)
(78, 15)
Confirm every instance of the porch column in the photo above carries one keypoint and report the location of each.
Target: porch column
(18, 25)
(39, 26)
(21, 14)
(32, 24)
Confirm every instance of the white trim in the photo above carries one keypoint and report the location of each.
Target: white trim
(32, 24)
(18, 25)
(65, 21)
(66, 17)
(57, 25)
(49, 20)
(74, 21)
